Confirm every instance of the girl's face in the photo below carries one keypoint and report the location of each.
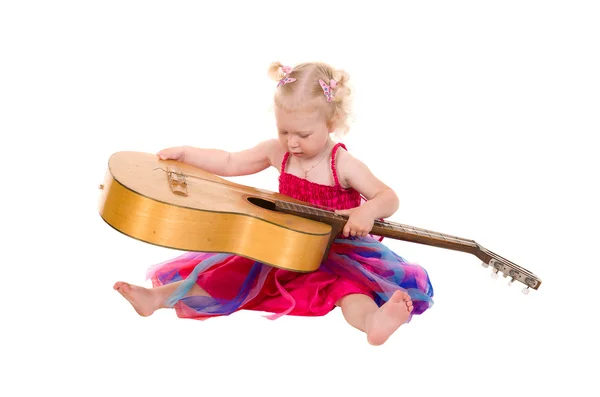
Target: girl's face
(303, 133)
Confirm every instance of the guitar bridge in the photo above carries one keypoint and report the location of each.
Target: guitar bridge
(177, 180)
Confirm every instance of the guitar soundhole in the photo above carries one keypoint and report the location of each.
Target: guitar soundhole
(266, 204)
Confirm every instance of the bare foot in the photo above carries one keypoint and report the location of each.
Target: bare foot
(143, 300)
(388, 318)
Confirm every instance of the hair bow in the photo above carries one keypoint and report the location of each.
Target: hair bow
(286, 70)
(327, 88)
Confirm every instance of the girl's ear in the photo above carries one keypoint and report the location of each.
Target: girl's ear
(332, 124)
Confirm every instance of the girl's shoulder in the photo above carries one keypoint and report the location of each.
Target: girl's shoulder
(346, 165)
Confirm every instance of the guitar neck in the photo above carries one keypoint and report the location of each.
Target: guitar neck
(422, 236)
(392, 230)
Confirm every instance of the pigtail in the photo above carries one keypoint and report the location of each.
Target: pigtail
(342, 90)
(275, 71)
(342, 100)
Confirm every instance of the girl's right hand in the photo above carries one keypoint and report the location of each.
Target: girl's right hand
(173, 153)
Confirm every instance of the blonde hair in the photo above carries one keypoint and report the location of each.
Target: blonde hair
(305, 93)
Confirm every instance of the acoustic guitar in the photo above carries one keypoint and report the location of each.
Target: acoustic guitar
(175, 205)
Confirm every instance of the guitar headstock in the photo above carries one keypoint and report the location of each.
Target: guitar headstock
(508, 269)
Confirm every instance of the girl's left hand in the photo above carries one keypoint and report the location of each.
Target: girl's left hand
(359, 222)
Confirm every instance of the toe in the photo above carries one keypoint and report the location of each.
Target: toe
(124, 288)
(397, 296)
(118, 284)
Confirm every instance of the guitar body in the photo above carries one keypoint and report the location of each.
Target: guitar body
(142, 200)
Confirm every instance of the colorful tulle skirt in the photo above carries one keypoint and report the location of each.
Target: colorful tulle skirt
(354, 266)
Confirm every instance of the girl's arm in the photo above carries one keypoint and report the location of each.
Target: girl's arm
(224, 163)
(382, 200)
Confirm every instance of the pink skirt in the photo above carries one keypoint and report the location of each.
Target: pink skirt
(354, 266)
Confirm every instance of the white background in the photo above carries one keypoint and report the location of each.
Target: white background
(479, 114)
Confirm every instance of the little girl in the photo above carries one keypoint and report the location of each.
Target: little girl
(377, 290)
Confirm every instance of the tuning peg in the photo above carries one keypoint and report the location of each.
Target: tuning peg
(485, 264)
(525, 290)
(512, 279)
(495, 274)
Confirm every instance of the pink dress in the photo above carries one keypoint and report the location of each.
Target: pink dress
(354, 266)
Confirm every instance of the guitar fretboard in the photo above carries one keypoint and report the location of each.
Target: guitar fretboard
(384, 228)
(308, 210)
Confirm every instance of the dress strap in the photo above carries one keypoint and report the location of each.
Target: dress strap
(333, 168)
(284, 162)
